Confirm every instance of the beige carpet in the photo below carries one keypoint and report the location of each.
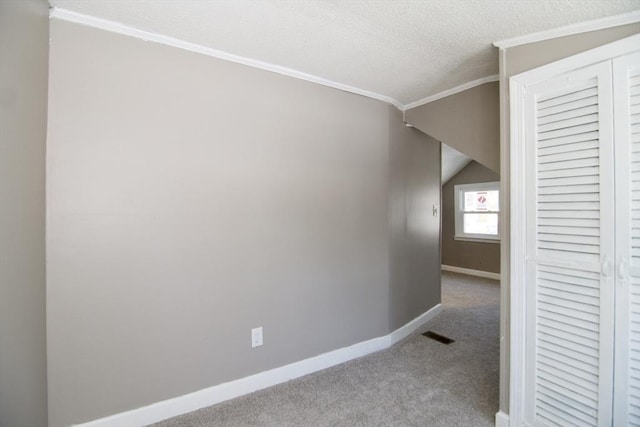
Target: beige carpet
(417, 382)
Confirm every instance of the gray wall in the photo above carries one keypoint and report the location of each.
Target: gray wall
(458, 253)
(468, 121)
(513, 61)
(24, 44)
(414, 231)
(191, 199)
(526, 57)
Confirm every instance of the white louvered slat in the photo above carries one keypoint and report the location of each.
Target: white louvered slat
(568, 228)
(558, 395)
(547, 320)
(566, 123)
(551, 334)
(583, 102)
(568, 163)
(571, 317)
(559, 222)
(562, 381)
(568, 340)
(574, 196)
(569, 114)
(569, 205)
(575, 213)
(571, 147)
(578, 309)
(567, 181)
(570, 172)
(574, 368)
(568, 295)
(585, 368)
(563, 412)
(572, 151)
(568, 131)
(566, 280)
(569, 189)
(587, 89)
(587, 252)
(578, 138)
(569, 238)
(573, 173)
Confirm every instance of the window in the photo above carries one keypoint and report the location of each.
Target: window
(477, 210)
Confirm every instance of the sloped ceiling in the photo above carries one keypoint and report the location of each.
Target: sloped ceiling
(453, 162)
(405, 50)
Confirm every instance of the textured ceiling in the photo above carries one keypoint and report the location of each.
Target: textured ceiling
(406, 50)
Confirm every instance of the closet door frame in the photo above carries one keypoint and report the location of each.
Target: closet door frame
(520, 121)
(624, 266)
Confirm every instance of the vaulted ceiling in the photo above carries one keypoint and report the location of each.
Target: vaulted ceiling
(404, 50)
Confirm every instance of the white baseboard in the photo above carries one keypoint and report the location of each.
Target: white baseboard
(210, 396)
(502, 419)
(471, 272)
(406, 330)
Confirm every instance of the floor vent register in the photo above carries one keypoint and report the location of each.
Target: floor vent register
(438, 337)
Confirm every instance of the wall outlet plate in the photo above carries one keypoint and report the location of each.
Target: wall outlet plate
(256, 337)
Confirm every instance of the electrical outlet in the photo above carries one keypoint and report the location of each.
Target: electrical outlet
(256, 337)
(435, 210)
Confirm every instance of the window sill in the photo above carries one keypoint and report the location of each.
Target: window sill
(477, 240)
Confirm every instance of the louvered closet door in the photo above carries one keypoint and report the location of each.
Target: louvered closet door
(569, 249)
(627, 136)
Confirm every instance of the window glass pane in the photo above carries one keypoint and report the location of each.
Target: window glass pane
(481, 223)
(481, 201)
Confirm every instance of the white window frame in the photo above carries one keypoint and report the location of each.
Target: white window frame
(459, 191)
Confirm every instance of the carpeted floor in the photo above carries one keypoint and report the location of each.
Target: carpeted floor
(417, 382)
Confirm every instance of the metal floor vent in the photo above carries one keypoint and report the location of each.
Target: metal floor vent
(438, 337)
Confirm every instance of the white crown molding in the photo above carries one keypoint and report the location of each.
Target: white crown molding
(210, 396)
(452, 91)
(581, 27)
(115, 27)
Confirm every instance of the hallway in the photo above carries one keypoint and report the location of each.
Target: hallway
(418, 382)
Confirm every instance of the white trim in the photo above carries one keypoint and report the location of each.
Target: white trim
(126, 30)
(406, 330)
(494, 240)
(502, 419)
(452, 91)
(505, 283)
(517, 266)
(624, 69)
(581, 27)
(470, 272)
(210, 396)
